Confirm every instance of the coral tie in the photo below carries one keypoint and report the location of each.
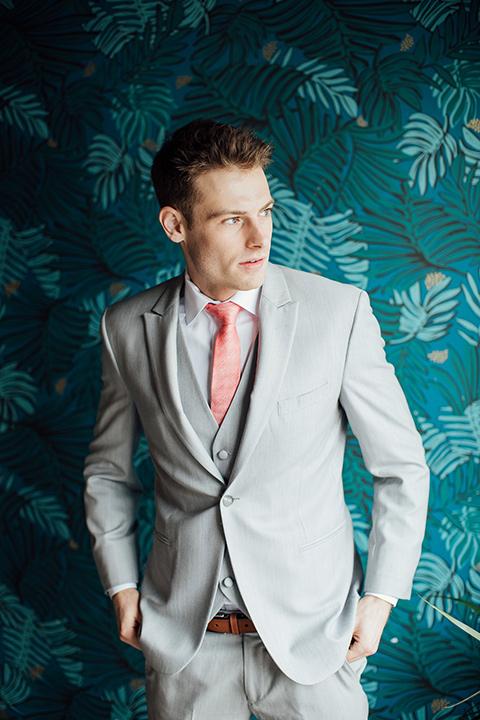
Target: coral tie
(226, 366)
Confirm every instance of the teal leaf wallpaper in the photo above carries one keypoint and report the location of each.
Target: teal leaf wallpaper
(374, 111)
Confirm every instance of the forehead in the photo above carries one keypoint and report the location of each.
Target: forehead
(231, 189)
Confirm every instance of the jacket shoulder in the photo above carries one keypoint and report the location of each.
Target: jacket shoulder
(126, 311)
(311, 286)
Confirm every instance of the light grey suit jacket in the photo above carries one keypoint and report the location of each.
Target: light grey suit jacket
(289, 533)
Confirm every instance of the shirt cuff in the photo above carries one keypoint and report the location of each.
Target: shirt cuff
(116, 588)
(392, 600)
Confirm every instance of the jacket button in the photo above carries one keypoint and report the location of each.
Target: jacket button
(223, 454)
(227, 500)
(228, 582)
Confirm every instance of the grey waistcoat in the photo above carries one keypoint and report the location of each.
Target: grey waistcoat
(221, 442)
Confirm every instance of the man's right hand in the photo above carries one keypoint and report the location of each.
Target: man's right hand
(126, 604)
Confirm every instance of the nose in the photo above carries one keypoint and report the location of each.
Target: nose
(259, 235)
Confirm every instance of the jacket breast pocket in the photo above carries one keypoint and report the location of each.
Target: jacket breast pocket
(303, 401)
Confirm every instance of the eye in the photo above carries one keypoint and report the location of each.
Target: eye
(266, 212)
(232, 221)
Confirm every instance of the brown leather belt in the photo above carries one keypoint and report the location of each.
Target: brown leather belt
(234, 623)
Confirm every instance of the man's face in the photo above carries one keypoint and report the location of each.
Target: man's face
(227, 244)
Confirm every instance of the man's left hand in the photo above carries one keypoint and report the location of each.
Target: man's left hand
(371, 618)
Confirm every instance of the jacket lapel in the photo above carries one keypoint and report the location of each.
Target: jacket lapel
(161, 333)
(278, 321)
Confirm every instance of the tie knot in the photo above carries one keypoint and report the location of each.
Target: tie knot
(225, 312)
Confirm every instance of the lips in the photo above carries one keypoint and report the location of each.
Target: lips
(253, 263)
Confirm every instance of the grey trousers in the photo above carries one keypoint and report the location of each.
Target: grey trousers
(233, 676)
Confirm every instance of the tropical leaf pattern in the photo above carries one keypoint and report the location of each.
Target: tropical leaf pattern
(374, 112)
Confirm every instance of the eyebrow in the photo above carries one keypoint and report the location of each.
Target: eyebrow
(220, 213)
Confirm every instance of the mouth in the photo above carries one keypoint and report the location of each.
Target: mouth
(253, 263)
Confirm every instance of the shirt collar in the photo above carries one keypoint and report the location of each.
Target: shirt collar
(195, 300)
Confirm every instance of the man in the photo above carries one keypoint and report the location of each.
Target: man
(243, 376)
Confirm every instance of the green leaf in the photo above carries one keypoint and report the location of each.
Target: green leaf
(24, 251)
(235, 31)
(115, 27)
(138, 109)
(458, 90)
(427, 319)
(24, 111)
(305, 241)
(432, 147)
(113, 167)
(388, 83)
(17, 395)
(456, 622)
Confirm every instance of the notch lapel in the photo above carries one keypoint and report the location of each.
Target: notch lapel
(278, 322)
(161, 333)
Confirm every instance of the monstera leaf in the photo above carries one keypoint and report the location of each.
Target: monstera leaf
(470, 146)
(138, 109)
(459, 90)
(436, 581)
(452, 440)
(113, 167)
(388, 83)
(432, 146)
(471, 331)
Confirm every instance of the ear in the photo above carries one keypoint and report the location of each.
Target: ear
(173, 223)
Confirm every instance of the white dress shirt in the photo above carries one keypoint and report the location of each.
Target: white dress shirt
(200, 329)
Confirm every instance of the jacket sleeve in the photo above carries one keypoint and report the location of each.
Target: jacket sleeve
(113, 492)
(393, 453)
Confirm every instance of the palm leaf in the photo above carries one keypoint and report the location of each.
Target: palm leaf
(114, 27)
(27, 250)
(311, 155)
(24, 111)
(13, 687)
(195, 12)
(74, 109)
(432, 146)
(235, 31)
(17, 395)
(429, 318)
(145, 59)
(418, 236)
(305, 241)
(430, 665)
(431, 13)
(49, 41)
(338, 30)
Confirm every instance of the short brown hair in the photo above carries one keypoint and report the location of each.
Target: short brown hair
(196, 148)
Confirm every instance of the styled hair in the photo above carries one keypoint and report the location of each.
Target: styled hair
(196, 148)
